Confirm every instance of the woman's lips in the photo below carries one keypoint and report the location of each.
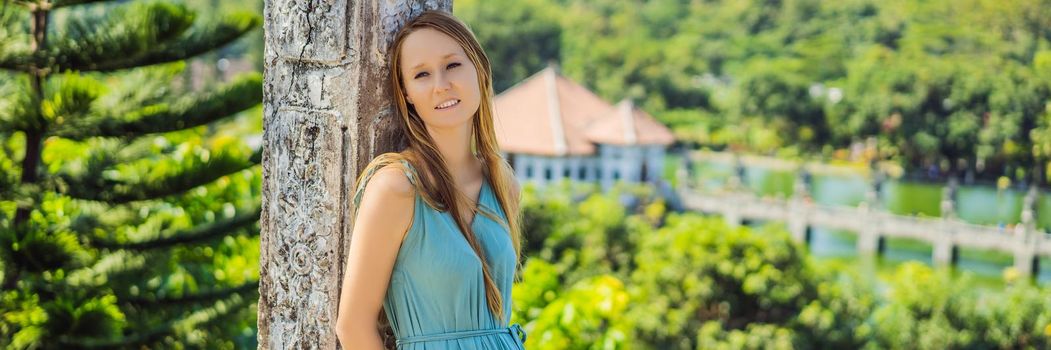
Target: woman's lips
(457, 103)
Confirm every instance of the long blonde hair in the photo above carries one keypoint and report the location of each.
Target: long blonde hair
(438, 189)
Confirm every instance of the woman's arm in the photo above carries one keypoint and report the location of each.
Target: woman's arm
(384, 216)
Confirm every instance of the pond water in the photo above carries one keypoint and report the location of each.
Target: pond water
(978, 204)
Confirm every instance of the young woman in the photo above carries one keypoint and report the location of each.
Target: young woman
(436, 239)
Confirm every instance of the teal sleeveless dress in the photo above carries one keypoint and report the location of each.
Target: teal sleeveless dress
(436, 296)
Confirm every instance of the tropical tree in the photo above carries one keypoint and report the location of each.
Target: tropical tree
(509, 28)
(123, 221)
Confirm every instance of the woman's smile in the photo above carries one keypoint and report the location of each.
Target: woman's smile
(448, 104)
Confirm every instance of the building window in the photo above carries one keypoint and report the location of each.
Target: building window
(645, 171)
(547, 173)
(582, 173)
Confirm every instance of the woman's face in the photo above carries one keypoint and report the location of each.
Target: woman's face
(438, 79)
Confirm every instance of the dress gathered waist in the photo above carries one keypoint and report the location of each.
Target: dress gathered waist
(514, 330)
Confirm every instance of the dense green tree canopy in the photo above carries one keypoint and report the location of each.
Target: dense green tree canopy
(126, 221)
(948, 84)
(693, 282)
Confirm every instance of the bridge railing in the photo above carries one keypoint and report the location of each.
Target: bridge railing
(800, 212)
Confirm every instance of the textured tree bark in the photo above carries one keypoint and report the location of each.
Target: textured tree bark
(326, 113)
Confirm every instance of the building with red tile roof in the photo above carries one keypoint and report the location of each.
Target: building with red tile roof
(552, 128)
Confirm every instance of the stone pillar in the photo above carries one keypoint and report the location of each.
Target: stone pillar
(797, 223)
(945, 252)
(798, 208)
(948, 201)
(732, 216)
(736, 181)
(732, 212)
(326, 113)
(1024, 251)
(1025, 236)
(869, 239)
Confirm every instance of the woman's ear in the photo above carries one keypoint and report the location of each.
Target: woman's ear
(407, 99)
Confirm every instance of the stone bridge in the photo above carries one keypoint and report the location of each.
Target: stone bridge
(873, 227)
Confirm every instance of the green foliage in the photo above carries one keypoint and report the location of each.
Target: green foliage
(586, 238)
(125, 222)
(587, 315)
(698, 284)
(695, 270)
(189, 110)
(929, 310)
(949, 84)
(778, 94)
(535, 30)
(754, 336)
(960, 86)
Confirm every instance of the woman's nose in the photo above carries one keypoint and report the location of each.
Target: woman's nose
(441, 83)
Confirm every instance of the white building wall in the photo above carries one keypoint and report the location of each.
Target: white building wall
(546, 169)
(574, 164)
(558, 168)
(609, 164)
(592, 169)
(520, 163)
(533, 165)
(631, 164)
(655, 161)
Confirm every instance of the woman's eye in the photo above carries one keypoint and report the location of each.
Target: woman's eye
(420, 74)
(453, 65)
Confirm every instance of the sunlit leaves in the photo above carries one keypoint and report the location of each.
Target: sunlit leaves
(140, 216)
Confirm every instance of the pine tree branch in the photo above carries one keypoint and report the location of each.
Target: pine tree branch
(197, 234)
(64, 3)
(127, 32)
(53, 4)
(102, 217)
(111, 264)
(92, 185)
(188, 111)
(257, 156)
(23, 3)
(199, 39)
(179, 326)
(16, 111)
(199, 297)
(16, 57)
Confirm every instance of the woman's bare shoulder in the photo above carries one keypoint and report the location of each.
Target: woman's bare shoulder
(386, 207)
(390, 180)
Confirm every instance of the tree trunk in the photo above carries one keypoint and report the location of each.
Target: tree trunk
(34, 137)
(326, 114)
